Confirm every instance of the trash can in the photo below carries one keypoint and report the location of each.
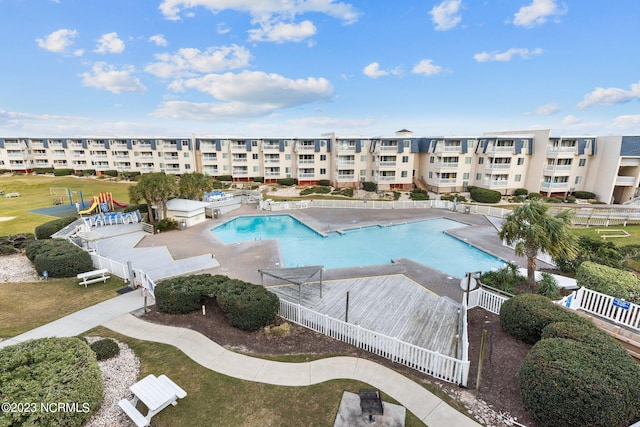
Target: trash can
(183, 224)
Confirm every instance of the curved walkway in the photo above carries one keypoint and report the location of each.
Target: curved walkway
(415, 398)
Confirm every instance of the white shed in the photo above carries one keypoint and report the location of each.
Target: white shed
(187, 212)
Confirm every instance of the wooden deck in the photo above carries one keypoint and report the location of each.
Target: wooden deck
(391, 305)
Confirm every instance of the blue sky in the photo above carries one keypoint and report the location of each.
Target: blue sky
(300, 68)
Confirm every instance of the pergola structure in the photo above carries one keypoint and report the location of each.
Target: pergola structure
(296, 275)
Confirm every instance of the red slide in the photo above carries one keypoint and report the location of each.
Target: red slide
(122, 205)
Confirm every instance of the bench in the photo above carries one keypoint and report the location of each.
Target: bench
(93, 277)
(133, 413)
(11, 195)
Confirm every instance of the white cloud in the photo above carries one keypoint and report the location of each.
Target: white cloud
(183, 110)
(446, 15)
(627, 121)
(107, 77)
(188, 61)
(537, 13)
(282, 32)
(59, 41)
(546, 110)
(373, 70)
(506, 55)
(571, 120)
(222, 28)
(427, 68)
(158, 39)
(610, 96)
(110, 43)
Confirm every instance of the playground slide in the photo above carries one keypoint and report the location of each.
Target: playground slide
(122, 205)
(91, 208)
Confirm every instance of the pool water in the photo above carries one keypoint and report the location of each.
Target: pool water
(421, 241)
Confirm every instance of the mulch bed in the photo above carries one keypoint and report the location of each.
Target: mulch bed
(498, 385)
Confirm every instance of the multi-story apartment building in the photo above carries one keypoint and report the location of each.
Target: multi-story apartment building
(608, 166)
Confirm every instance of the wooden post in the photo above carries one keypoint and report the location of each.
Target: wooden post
(346, 312)
(480, 359)
(320, 283)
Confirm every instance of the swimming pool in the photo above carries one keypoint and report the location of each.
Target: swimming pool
(420, 241)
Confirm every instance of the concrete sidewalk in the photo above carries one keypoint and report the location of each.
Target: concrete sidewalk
(425, 405)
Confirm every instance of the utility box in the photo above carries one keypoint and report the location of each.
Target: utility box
(183, 224)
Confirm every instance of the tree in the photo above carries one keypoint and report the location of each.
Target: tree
(534, 230)
(194, 184)
(154, 188)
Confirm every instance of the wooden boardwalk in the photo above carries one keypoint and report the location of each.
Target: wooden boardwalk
(391, 305)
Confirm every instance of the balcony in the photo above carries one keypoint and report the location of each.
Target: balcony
(306, 175)
(346, 147)
(101, 166)
(498, 165)
(272, 173)
(345, 178)
(239, 160)
(272, 160)
(270, 147)
(558, 150)
(448, 148)
(386, 147)
(554, 186)
(558, 168)
(495, 183)
(239, 147)
(446, 165)
(305, 147)
(171, 157)
(500, 149)
(42, 164)
(240, 172)
(386, 164)
(385, 178)
(306, 161)
(345, 162)
(146, 168)
(625, 181)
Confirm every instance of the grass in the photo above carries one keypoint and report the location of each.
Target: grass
(633, 230)
(24, 306)
(213, 398)
(34, 194)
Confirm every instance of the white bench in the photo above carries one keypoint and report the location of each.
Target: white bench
(93, 277)
(11, 195)
(133, 413)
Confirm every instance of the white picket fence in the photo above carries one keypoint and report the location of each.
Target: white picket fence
(486, 299)
(140, 279)
(430, 362)
(605, 306)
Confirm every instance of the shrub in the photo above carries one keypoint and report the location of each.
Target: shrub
(258, 179)
(521, 192)
(571, 199)
(132, 208)
(315, 190)
(596, 250)
(62, 172)
(89, 172)
(610, 281)
(105, 348)
(419, 194)
(534, 196)
(504, 279)
(347, 192)
(112, 173)
(590, 380)
(548, 286)
(10, 245)
(287, 182)
(44, 231)
(184, 294)
(248, 307)
(584, 195)
(518, 199)
(451, 197)
(525, 316)
(483, 195)
(225, 178)
(369, 186)
(324, 182)
(553, 200)
(50, 370)
(40, 171)
(59, 258)
(167, 224)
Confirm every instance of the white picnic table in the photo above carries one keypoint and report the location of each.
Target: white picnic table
(156, 393)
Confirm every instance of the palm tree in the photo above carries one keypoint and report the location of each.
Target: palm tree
(534, 230)
(154, 188)
(194, 185)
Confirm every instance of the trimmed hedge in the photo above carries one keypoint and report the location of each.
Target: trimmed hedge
(247, 306)
(369, 186)
(534, 196)
(525, 316)
(59, 258)
(315, 190)
(483, 195)
(581, 378)
(324, 182)
(112, 173)
(584, 195)
(287, 182)
(258, 179)
(610, 281)
(105, 348)
(50, 370)
(225, 178)
(521, 192)
(419, 194)
(62, 172)
(41, 171)
(44, 231)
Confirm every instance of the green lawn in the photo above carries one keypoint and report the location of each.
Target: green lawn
(24, 306)
(634, 230)
(216, 399)
(34, 194)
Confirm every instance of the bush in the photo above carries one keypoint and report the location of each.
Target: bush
(40, 171)
(596, 250)
(324, 182)
(504, 279)
(369, 186)
(583, 379)
(584, 195)
(521, 192)
(50, 370)
(89, 172)
(112, 173)
(62, 172)
(419, 194)
(571, 199)
(553, 200)
(59, 258)
(610, 281)
(525, 316)
(451, 197)
(167, 224)
(258, 179)
(548, 286)
(287, 182)
(10, 245)
(132, 208)
(534, 196)
(225, 178)
(44, 231)
(347, 192)
(483, 195)
(105, 348)
(315, 190)
(185, 294)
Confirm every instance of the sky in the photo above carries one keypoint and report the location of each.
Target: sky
(301, 68)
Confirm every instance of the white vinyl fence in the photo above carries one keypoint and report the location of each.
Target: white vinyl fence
(605, 306)
(140, 278)
(483, 298)
(430, 362)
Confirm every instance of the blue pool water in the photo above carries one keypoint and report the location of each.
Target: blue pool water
(421, 241)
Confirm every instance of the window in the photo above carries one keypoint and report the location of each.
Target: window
(287, 156)
(518, 178)
(403, 174)
(431, 159)
(405, 159)
(187, 166)
(430, 174)
(323, 157)
(254, 156)
(254, 142)
(225, 155)
(224, 167)
(520, 161)
(363, 158)
(478, 176)
(256, 169)
(323, 171)
(363, 172)
(186, 155)
(287, 170)
(467, 160)
(578, 180)
(480, 160)
(582, 162)
(466, 174)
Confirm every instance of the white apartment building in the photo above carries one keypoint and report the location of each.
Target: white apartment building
(608, 166)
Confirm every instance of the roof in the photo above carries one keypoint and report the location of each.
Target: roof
(185, 205)
(296, 275)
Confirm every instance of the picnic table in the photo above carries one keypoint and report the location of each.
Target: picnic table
(156, 393)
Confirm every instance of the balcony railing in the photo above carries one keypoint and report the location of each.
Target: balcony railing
(557, 168)
(498, 165)
(446, 181)
(385, 178)
(241, 172)
(555, 186)
(496, 183)
(626, 181)
(345, 162)
(239, 160)
(272, 173)
(272, 160)
(387, 148)
(448, 148)
(386, 164)
(267, 147)
(306, 175)
(306, 161)
(554, 150)
(447, 165)
(238, 147)
(348, 178)
(346, 147)
(301, 147)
